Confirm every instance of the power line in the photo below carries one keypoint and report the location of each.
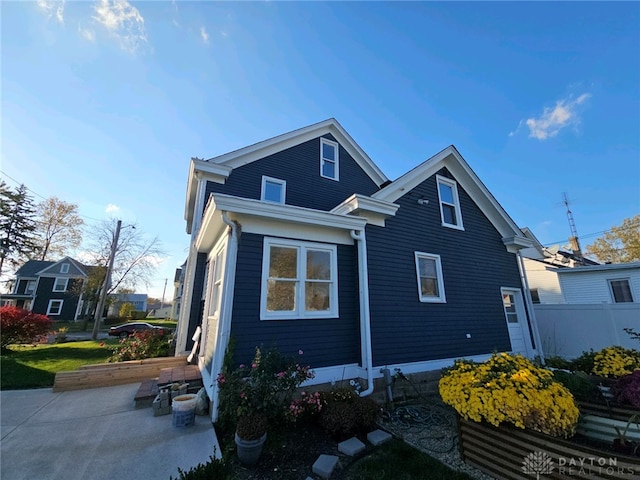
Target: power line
(630, 227)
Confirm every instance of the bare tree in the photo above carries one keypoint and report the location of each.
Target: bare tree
(136, 256)
(59, 228)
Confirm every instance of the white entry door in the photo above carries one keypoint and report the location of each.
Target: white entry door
(516, 322)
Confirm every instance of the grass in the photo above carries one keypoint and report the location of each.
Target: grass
(34, 366)
(396, 460)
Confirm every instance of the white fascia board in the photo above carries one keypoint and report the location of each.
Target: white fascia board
(201, 169)
(212, 224)
(259, 150)
(374, 210)
(43, 272)
(515, 243)
(466, 178)
(600, 268)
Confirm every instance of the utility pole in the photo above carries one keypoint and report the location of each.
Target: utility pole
(163, 292)
(107, 281)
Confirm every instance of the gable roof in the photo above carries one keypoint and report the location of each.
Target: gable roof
(32, 267)
(77, 265)
(219, 168)
(468, 180)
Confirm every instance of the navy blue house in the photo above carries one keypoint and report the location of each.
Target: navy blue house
(301, 242)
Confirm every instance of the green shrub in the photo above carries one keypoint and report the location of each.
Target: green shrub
(581, 386)
(215, 468)
(346, 414)
(141, 345)
(584, 363)
(558, 362)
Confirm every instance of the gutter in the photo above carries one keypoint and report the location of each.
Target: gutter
(529, 302)
(365, 317)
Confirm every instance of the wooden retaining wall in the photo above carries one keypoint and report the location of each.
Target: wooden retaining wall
(501, 452)
(110, 374)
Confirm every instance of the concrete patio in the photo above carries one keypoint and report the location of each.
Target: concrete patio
(97, 434)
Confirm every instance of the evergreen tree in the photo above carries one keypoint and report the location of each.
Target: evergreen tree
(17, 226)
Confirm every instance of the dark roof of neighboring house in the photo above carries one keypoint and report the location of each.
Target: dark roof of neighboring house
(32, 267)
(572, 256)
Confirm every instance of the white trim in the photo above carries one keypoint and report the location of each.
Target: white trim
(55, 282)
(441, 298)
(335, 161)
(76, 264)
(51, 302)
(335, 374)
(283, 189)
(299, 311)
(593, 268)
(64, 268)
(26, 287)
(456, 202)
(374, 210)
(623, 279)
(521, 315)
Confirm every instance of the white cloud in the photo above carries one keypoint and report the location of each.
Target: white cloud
(204, 35)
(87, 34)
(564, 114)
(112, 209)
(124, 21)
(52, 9)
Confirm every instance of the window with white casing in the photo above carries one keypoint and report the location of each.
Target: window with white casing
(30, 287)
(329, 161)
(299, 280)
(60, 285)
(64, 268)
(449, 203)
(430, 282)
(55, 307)
(273, 190)
(621, 290)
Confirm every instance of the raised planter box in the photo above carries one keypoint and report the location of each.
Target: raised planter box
(599, 421)
(508, 452)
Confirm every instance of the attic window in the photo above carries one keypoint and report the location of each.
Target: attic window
(328, 159)
(273, 190)
(449, 203)
(64, 268)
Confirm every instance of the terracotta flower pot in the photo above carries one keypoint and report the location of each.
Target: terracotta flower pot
(249, 451)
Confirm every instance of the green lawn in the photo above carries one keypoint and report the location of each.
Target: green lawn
(396, 460)
(36, 366)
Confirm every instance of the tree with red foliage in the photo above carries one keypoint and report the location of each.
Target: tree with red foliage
(18, 325)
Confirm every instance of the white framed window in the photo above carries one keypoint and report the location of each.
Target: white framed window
(449, 203)
(621, 290)
(273, 190)
(429, 274)
(30, 287)
(60, 285)
(299, 280)
(329, 161)
(55, 307)
(64, 268)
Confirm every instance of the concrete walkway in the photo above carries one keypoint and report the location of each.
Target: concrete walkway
(94, 434)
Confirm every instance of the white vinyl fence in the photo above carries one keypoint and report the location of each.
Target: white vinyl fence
(569, 329)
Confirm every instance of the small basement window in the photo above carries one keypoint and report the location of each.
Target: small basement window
(273, 190)
(328, 159)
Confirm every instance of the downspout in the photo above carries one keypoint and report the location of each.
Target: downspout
(227, 300)
(365, 317)
(529, 302)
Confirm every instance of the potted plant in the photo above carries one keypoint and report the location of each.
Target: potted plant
(259, 393)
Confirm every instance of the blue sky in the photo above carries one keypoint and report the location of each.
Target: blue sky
(104, 102)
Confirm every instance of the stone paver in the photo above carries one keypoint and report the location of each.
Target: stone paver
(378, 437)
(351, 447)
(324, 465)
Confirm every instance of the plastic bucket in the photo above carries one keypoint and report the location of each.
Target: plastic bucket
(184, 410)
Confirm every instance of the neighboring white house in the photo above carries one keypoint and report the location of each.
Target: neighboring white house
(544, 285)
(610, 283)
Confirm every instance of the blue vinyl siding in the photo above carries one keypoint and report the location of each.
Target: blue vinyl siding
(45, 293)
(475, 265)
(299, 166)
(325, 342)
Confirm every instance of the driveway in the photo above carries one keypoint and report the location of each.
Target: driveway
(95, 434)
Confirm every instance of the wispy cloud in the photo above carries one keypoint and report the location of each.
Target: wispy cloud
(87, 33)
(52, 9)
(565, 113)
(124, 21)
(204, 35)
(112, 209)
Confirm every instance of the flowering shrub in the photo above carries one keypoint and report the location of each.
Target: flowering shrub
(307, 406)
(510, 389)
(264, 387)
(616, 361)
(18, 325)
(627, 389)
(141, 345)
